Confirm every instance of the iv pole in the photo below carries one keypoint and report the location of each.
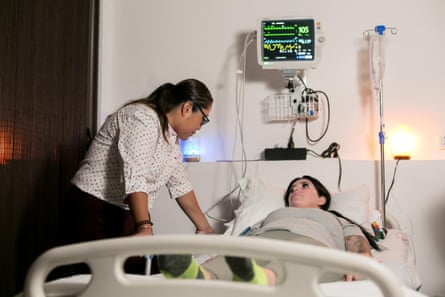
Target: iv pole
(377, 68)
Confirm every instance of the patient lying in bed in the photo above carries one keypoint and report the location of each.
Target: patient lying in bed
(306, 219)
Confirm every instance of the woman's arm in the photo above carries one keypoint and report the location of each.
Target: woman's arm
(138, 203)
(189, 204)
(359, 245)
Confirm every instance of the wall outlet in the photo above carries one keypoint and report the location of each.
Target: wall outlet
(442, 143)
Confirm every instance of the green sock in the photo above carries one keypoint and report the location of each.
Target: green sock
(180, 266)
(247, 270)
(259, 275)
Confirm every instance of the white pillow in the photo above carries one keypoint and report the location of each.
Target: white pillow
(260, 198)
(353, 203)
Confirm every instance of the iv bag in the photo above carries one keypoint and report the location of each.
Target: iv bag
(377, 60)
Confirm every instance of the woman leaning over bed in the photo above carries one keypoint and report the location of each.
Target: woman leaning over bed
(305, 219)
(133, 155)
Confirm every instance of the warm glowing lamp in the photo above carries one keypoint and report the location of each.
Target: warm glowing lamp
(402, 144)
(5, 147)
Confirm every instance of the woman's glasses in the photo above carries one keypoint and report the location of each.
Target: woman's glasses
(205, 118)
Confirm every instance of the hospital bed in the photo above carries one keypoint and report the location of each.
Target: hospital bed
(303, 265)
(390, 273)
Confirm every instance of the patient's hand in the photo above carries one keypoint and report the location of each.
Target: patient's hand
(350, 277)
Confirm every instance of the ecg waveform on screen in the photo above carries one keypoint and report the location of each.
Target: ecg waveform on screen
(280, 47)
(282, 41)
(279, 27)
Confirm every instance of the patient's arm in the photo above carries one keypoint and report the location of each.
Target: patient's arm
(356, 244)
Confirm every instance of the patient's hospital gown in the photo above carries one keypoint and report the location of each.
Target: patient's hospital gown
(303, 225)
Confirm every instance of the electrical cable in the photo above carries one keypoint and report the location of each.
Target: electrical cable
(340, 172)
(291, 143)
(314, 153)
(323, 134)
(239, 126)
(392, 181)
(305, 91)
(302, 81)
(217, 203)
(331, 152)
(240, 80)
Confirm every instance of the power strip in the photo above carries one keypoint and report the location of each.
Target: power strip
(285, 154)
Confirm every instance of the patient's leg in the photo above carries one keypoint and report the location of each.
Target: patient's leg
(181, 266)
(184, 266)
(247, 270)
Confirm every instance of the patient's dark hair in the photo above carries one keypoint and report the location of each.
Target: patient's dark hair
(323, 191)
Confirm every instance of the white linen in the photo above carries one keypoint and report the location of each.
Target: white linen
(71, 286)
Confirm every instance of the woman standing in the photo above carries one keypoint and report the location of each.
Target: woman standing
(134, 154)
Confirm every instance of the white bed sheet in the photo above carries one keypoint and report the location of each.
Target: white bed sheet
(70, 286)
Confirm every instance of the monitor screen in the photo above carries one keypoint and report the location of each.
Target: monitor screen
(291, 43)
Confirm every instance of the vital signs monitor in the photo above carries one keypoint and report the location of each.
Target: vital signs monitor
(289, 43)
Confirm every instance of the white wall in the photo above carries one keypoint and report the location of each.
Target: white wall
(145, 43)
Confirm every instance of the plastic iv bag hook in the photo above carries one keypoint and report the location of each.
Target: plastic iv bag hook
(380, 30)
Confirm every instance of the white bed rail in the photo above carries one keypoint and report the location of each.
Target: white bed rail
(303, 265)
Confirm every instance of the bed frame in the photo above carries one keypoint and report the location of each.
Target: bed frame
(303, 265)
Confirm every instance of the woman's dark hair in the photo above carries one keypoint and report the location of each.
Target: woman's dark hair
(322, 191)
(168, 96)
(371, 239)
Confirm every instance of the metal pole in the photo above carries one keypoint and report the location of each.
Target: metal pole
(377, 80)
(382, 157)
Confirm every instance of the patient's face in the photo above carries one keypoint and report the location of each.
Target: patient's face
(305, 195)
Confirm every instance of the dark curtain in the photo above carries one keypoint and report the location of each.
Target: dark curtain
(47, 95)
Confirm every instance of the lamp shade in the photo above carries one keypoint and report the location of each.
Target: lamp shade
(402, 143)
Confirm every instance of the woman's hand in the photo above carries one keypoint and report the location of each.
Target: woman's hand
(144, 230)
(144, 233)
(207, 230)
(190, 206)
